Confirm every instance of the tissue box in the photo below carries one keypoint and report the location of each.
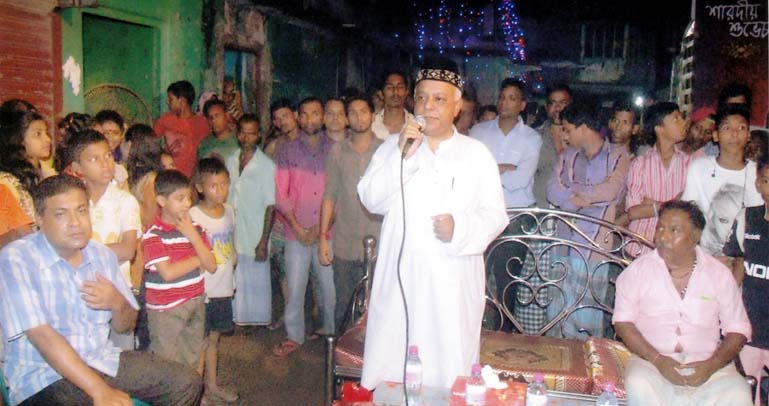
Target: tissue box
(513, 395)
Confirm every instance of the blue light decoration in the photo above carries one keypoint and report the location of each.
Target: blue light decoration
(456, 26)
(513, 34)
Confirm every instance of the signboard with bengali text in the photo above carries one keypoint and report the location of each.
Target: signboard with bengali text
(731, 45)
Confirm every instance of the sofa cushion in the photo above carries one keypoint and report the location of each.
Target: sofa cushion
(606, 362)
(562, 361)
(349, 348)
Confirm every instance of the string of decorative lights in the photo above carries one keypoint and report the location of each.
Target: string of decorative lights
(456, 25)
(513, 34)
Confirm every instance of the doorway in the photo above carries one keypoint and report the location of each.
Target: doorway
(120, 69)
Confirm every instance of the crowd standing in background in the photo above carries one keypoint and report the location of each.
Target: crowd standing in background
(156, 240)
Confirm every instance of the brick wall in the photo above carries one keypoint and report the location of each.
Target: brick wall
(28, 31)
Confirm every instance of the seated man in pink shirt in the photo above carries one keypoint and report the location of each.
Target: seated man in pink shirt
(672, 307)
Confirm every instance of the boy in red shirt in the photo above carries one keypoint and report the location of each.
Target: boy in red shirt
(181, 128)
(176, 250)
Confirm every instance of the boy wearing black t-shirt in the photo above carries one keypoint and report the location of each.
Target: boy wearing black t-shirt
(748, 245)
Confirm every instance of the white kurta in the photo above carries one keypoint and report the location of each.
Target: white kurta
(443, 282)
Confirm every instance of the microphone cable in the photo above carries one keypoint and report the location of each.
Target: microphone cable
(400, 282)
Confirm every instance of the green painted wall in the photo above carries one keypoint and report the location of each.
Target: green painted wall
(177, 31)
(118, 53)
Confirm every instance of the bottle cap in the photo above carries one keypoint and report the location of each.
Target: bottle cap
(413, 350)
(539, 377)
(476, 369)
(608, 387)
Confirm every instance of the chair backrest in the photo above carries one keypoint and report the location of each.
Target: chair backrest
(358, 304)
(556, 265)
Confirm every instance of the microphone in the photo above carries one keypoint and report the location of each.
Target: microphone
(421, 121)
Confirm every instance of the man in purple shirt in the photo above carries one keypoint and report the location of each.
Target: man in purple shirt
(300, 180)
(588, 179)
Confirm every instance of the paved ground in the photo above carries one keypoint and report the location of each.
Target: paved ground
(247, 365)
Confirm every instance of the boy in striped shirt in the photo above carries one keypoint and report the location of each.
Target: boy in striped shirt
(176, 250)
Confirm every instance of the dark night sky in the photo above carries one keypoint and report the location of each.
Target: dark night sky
(675, 14)
(397, 11)
(665, 24)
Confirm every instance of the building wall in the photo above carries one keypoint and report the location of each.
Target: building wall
(179, 54)
(28, 30)
(306, 61)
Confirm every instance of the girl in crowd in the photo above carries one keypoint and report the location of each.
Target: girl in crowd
(25, 144)
(143, 162)
(144, 150)
(71, 124)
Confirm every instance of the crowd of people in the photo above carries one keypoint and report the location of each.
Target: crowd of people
(128, 250)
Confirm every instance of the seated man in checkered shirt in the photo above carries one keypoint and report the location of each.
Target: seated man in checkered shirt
(60, 293)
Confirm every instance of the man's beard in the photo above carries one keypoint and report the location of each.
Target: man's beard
(362, 131)
(317, 131)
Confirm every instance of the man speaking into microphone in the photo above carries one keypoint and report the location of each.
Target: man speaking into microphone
(454, 208)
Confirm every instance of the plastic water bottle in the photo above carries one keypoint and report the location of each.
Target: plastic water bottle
(536, 392)
(607, 398)
(475, 389)
(413, 375)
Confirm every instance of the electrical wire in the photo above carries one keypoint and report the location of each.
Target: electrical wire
(400, 282)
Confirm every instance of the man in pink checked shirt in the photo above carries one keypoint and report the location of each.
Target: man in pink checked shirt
(300, 180)
(672, 307)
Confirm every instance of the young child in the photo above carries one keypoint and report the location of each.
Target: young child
(222, 140)
(657, 175)
(623, 126)
(114, 212)
(212, 182)
(231, 97)
(181, 128)
(167, 160)
(722, 185)
(110, 124)
(747, 246)
(176, 250)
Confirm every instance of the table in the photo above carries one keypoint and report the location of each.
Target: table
(391, 394)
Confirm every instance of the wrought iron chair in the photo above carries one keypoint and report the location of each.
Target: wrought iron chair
(551, 245)
(351, 361)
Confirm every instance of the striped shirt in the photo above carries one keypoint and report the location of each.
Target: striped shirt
(38, 287)
(164, 242)
(648, 177)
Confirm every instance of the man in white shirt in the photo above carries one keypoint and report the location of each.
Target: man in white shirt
(515, 147)
(394, 116)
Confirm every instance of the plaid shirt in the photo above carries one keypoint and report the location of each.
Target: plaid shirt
(38, 287)
(300, 179)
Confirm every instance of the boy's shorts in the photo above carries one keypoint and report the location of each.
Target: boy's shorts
(219, 315)
(178, 334)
